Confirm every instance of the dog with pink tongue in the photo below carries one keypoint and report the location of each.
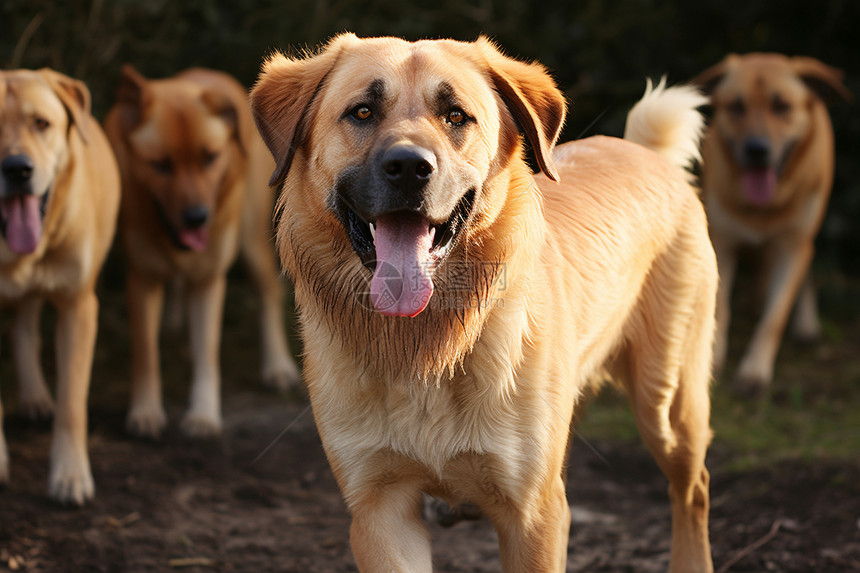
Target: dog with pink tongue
(766, 178)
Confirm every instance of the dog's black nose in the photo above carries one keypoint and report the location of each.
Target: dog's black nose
(756, 152)
(407, 166)
(195, 217)
(17, 168)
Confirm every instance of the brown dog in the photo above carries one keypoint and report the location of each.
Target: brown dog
(194, 190)
(767, 173)
(405, 194)
(59, 196)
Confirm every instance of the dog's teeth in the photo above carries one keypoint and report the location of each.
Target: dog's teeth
(373, 230)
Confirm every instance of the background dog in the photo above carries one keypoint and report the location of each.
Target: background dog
(59, 196)
(767, 174)
(405, 194)
(194, 191)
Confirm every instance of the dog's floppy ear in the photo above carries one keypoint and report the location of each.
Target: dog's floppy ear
(75, 97)
(221, 105)
(532, 97)
(825, 81)
(281, 101)
(132, 96)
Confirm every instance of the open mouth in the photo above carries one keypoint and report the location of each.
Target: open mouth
(403, 250)
(21, 218)
(184, 239)
(362, 233)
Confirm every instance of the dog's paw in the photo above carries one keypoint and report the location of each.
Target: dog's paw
(37, 406)
(753, 376)
(199, 426)
(806, 333)
(146, 421)
(282, 377)
(70, 481)
(750, 386)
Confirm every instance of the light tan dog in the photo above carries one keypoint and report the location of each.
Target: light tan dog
(767, 173)
(194, 191)
(59, 196)
(405, 194)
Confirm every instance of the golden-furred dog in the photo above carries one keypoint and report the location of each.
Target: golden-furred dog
(455, 306)
(194, 191)
(767, 173)
(59, 196)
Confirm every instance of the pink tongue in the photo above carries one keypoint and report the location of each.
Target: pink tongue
(194, 239)
(23, 223)
(759, 185)
(401, 284)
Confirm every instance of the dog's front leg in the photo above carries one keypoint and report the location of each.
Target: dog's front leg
(35, 399)
(534, 539)
(205, 309)
(145, 294)
(388, 533)
(70, 479)
(790, 263)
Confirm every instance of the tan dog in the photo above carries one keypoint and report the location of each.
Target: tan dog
(194, 192)
(405, 194)
(59, 196)
(767, 173)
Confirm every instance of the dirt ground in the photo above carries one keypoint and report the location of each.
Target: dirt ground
(261, 498)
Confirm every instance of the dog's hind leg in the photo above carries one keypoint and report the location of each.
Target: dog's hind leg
(34, 397)
(279, 369)
(668, 374)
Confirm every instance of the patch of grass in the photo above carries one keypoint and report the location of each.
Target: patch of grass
(810, 414)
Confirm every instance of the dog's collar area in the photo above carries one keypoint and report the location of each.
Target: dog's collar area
(362, 233)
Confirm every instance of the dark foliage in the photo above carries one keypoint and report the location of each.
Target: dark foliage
(600, 52)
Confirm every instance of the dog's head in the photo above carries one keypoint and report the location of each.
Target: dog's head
(763, 112)
(182, 140)
(403, 147)
(39, 110)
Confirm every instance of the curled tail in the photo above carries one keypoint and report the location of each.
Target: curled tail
(666, 120)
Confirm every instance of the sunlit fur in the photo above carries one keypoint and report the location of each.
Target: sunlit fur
(198, 123)
(74, 166)
(610, 269)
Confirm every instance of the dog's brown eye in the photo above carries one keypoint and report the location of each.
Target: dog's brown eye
(780, 106)
(163, 166)
(41, 123)
(737, 108)
(362, 113)
(456, 117)
(209, 157)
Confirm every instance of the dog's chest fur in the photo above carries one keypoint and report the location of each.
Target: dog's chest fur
(43, 273)
(486, 412)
